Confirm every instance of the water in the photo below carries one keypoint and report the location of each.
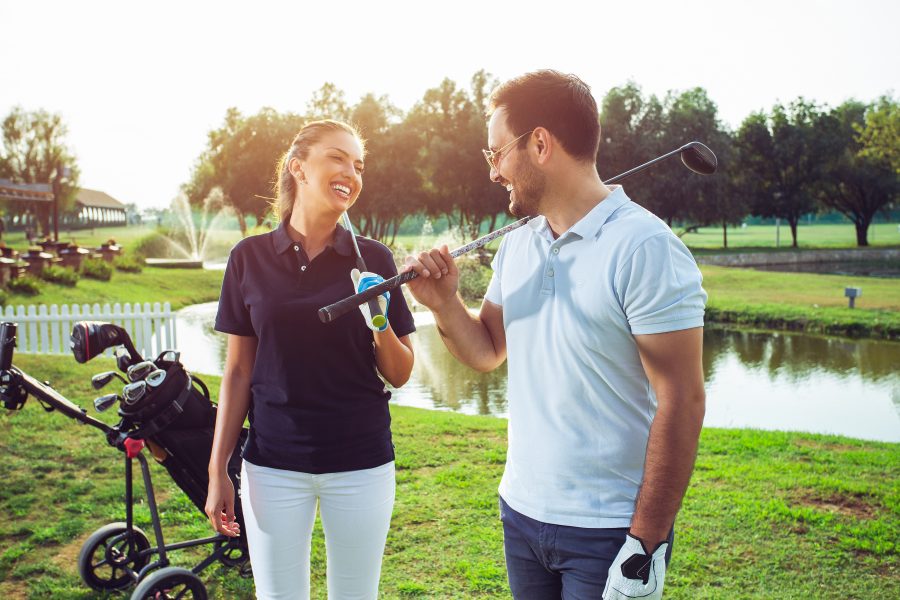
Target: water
(191, 240)
(765, 380)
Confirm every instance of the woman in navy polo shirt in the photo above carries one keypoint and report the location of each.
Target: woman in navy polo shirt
(318, 411)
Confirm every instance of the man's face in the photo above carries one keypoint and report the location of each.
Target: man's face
(513, 168)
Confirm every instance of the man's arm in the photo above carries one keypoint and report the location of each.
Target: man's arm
(477, 341)
(673, 363)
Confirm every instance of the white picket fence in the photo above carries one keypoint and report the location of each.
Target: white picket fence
(46, 329)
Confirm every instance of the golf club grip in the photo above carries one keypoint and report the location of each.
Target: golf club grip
(329, 313)
(374, 307)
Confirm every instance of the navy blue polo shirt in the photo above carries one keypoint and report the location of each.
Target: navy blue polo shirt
(317, 402)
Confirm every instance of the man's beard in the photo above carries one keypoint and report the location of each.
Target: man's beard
(529, 190)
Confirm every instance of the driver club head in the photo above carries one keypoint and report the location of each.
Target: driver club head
(101, 379)
(138, 371)
(105, 402)
(90, 338)
(134, 391)
(697, 157)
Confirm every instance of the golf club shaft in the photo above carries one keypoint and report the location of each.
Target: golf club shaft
(331, 312)
(374, 307)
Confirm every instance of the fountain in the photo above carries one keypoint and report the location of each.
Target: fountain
(189, 242)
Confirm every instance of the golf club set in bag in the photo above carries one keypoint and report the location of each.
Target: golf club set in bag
(167, 410)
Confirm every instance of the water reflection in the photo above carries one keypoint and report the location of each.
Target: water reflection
(766, 380)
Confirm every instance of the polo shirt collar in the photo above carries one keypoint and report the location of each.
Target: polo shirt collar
(589, 225)
(343, 244)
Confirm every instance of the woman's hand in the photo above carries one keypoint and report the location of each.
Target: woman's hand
(220, 505)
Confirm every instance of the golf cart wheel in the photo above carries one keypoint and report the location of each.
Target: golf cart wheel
(108, 559)
(170, 583)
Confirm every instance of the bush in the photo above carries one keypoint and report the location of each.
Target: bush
(154, 244)
(60, 275)
(473, 279)
(129, 263)
(25, 285)
(4, 297)
(95, 268)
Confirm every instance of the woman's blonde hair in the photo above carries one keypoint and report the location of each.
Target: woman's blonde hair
(310, 134)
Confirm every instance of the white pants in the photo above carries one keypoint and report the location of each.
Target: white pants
(279, 513)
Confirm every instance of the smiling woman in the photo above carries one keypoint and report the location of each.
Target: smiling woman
(319, 421)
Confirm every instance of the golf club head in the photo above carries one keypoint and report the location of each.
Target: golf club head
(155, 378)
(697, 157)
(123, 359)
(139, 371)
(101, 379)
(90, 338)
(133, 392)
(105, 402)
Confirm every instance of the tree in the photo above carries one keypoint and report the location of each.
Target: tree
(880, 134)
(328, 103)
(34, 151)
(452, 126)
(861, 179)
(241, 160)
(783, 156)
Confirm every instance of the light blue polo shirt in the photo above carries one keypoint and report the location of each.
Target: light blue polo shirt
(580, 405)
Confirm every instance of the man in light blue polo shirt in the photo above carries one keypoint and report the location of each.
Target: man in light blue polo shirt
(598, 309)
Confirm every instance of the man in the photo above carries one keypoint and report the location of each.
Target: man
(598, 309)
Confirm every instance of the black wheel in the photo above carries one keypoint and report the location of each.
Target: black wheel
(170, 583)
(110, 556)
(233, 556)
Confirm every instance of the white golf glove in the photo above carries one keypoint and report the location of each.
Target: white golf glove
(636, 574)
(363, 281)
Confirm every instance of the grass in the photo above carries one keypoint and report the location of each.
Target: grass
(180, 287)
(759, 237)
(802, 301)
(768, 515)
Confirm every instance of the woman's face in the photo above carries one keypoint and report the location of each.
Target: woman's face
(332, 172)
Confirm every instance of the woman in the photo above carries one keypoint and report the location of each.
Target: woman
(319, 419)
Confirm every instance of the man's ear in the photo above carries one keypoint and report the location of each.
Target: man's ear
(544, 145)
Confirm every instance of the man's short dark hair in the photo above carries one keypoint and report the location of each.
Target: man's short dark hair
(561, 103)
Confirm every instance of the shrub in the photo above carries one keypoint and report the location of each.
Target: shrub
(473, 279)
(129, 263)
(154, 244)
(60, 275)
(96, 268)
(4, 297)
(25, 285)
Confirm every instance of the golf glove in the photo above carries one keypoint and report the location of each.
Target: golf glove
(363, 281)
(636, 574)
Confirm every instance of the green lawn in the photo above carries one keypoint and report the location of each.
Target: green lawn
(768, 515)
(808, 237)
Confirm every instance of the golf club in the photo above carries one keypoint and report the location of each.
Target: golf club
(378, 319)
(134, 391)
(695, 156)
(140, 370)
(101, 379)
(155, 378)
(104, 403)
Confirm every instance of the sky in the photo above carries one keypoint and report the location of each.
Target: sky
(140, 85)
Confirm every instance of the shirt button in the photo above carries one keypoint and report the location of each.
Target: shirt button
(296, 248)
(303, 268)
(550, 273)
(556, 251)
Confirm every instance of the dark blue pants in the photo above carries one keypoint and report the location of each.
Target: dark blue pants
(546, 561)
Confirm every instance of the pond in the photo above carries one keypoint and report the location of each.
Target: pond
(881, 269)
(764, 380)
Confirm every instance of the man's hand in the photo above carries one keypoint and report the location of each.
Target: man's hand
(438, 277)
(636, 573)
(363, 281)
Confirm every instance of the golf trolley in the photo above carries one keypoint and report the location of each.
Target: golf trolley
(168, 411)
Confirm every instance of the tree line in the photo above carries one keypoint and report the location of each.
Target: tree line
(795, 159)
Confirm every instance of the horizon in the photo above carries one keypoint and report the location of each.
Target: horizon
(139, 90)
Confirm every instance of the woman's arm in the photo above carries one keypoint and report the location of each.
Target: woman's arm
(393, 356)
(234, 403)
